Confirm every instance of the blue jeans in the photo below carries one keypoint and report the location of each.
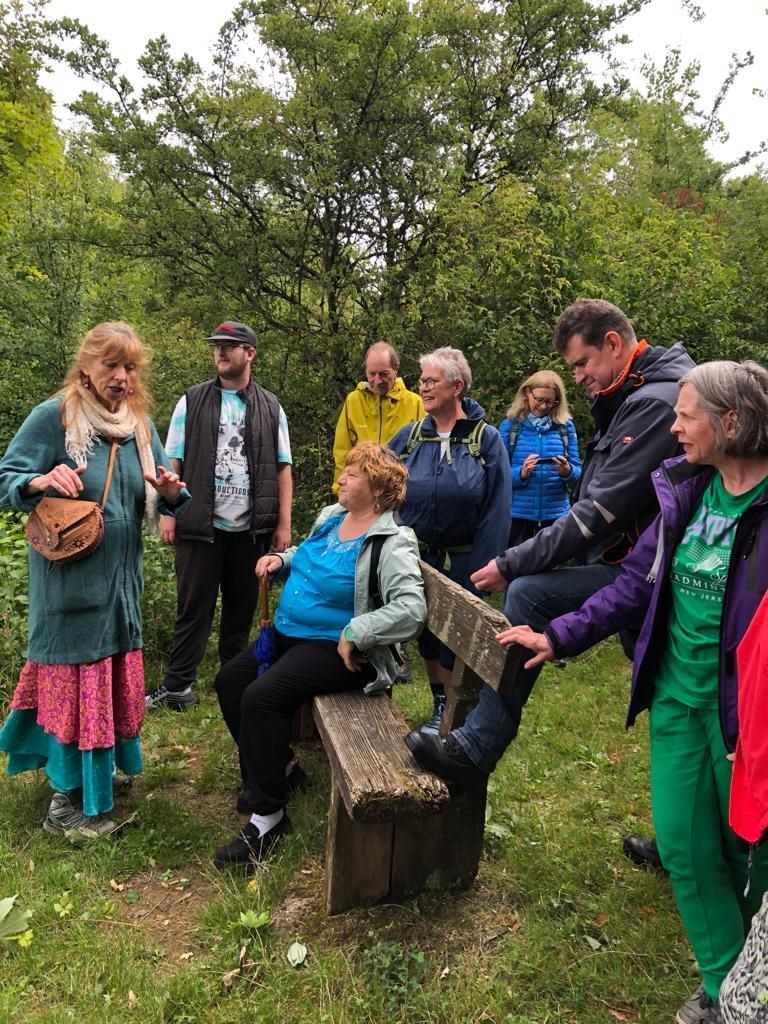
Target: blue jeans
(531, 601)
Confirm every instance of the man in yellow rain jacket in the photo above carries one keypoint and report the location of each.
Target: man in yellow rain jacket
(378, 407)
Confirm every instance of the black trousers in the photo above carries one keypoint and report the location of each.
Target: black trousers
(523, 529)
(258, 711)
(202, 570)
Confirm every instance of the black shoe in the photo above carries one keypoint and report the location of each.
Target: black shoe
(642, 851)
(446, 759)
(249, 848)
(296, 781)
(176, 700)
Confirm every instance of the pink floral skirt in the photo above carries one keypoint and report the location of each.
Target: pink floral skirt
(90, 705)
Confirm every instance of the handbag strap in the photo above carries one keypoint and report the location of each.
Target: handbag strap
(111, 466)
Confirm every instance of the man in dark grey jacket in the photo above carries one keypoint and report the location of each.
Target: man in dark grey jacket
(634, 388)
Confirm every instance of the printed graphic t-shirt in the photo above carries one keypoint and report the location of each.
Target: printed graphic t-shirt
(688, 670)
(232, 495)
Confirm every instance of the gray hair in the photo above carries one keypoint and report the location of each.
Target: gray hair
(452, 364)
(726, 386)
(382, 345)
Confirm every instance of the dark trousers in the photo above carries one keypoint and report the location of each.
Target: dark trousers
(523, 529)
(202, 570)
(534, 601)
(258, 711)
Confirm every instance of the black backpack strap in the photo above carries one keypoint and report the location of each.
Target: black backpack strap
(563, 437)
(374, 587)
(514, 434)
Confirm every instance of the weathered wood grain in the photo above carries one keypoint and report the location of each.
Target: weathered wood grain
(442, 851)
(393, 828)
(469, 627)
(357, 860)
(377, 776)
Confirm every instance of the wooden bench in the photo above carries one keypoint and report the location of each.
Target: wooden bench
(393, 828)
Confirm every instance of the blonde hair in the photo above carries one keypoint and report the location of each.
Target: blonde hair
(384, 470)
(109, 340)
(559, 413)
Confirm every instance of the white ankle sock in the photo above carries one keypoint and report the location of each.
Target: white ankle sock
(264, 822)
(289, 768)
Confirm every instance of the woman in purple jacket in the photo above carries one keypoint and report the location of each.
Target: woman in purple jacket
(700, 571)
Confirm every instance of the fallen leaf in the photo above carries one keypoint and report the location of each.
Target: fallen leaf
(444, 973)
(592, 943)
(186, 956)
(116, 886)
(296, 954)
(228, 979)
(133, 1002)
(601, 920)
(618, 1015)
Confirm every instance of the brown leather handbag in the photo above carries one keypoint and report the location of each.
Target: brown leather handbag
(68, 529)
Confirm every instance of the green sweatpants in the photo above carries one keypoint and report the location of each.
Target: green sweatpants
(707, 864)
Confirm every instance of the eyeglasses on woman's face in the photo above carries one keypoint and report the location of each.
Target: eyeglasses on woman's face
(428, 383)
(542, 401)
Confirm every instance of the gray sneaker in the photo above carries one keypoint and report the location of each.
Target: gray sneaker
(176, 700)
(65, 818)
(699, 1009)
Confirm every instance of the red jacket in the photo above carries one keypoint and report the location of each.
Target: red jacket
(749, 784)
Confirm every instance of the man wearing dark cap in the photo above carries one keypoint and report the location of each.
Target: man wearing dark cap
(229, 438)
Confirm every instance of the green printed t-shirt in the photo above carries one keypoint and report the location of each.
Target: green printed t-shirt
(688, 670)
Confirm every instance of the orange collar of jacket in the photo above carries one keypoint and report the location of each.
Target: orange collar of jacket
(625, 374)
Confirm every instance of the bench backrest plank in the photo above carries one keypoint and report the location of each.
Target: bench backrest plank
(468, 626)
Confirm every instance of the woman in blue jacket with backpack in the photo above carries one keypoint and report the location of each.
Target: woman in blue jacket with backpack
(540, 439)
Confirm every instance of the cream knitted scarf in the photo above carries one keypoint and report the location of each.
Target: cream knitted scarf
(89, 420)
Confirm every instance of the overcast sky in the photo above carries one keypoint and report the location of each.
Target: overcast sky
(729, 26)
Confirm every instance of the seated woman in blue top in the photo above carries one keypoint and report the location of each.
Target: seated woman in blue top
(332, 634)
(540, 439)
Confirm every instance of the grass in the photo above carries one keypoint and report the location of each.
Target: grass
(559, 927)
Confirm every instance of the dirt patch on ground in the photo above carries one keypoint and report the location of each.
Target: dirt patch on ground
(167, 906)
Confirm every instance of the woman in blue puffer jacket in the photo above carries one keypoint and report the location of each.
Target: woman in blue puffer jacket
(543, 450)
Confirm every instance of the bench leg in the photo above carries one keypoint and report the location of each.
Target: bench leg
(442, 851)
(303, 725)
(357, 859)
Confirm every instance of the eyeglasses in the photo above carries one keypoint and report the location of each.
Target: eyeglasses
(427, 383)
(545, 403)
(227, 346)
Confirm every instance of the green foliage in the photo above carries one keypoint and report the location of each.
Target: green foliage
(13, 920)
(13, 601)
(396, 974)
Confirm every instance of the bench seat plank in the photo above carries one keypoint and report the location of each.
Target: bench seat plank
(378, 778)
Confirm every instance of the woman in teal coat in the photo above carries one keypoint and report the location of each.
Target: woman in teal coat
(79, 703)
